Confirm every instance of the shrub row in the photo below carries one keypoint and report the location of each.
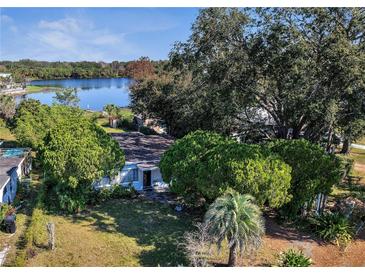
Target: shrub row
(114, 192)
(332, 227)
(36, 233)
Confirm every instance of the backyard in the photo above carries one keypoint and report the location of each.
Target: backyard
(143, 233)
(117, 233)
(139, 232)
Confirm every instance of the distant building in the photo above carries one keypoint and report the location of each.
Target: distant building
(14, 164)
(5, 75)
(142, 153)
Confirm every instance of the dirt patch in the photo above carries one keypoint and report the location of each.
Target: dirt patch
(279, 238)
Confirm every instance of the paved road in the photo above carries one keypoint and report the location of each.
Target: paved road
(358, 146)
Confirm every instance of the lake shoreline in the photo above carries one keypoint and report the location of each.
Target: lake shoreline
(93, 93)
(72, 78)
(31, 90)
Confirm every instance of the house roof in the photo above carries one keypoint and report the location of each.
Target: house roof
(6, 166)
(142, 148)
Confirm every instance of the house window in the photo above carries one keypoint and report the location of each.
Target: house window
(131, 176)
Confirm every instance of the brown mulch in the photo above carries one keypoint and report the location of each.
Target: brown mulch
(279, 238)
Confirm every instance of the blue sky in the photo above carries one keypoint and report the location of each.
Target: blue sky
(93, 34)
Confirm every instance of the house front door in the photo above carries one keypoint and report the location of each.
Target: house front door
(147, 178)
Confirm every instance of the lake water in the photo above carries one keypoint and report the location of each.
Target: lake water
(94, 94)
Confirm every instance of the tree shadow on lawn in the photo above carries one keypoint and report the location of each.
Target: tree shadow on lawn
(287, 232)
(150, 223)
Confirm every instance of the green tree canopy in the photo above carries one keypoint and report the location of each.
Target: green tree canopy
(264, 72)
(204, 164)
(313, 171)
(67, 97)
(73, 150)
(32, 121)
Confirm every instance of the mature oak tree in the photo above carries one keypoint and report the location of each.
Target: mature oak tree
(278, 73)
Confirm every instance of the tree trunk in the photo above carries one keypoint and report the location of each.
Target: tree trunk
(232, 261)
(329, 141)
(282, 132)
(345, 146)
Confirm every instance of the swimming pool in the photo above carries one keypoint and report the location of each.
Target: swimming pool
(12, 152)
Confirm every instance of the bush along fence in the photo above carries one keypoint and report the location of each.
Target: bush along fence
(35, 235)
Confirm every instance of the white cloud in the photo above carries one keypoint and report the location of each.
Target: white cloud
(70, 25)
(58, 40)
(6, 19)
(107, 39)
(13, 29)
(76, 39)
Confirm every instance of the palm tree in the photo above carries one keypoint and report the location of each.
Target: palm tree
(236, 218)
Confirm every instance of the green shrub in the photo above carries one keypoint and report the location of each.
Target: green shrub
(202, 165)
(333, 227)
(37, 231)
(2, 123)
(313, 171)
(127, 124)
(293, 258)
(119, 191)
(115, 192)
(147, 131)
(4, 209)
(347, 165)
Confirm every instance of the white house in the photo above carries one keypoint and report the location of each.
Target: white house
(5, 75)
(143, 153)
(14, 164)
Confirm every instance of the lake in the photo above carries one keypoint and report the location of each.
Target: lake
(94, 94)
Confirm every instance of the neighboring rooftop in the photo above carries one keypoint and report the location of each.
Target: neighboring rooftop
(142, 148)
(9, 159)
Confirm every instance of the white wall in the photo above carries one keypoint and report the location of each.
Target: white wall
(138, 185)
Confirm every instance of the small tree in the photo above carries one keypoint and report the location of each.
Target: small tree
(140, 69)
(73, 150)
(112, 110)
(7, 107)
(235, 218)
(67, 97)
(198, 245)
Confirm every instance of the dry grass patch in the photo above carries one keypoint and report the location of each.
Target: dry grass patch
(5, 134)
(117, 233)
(361, 141)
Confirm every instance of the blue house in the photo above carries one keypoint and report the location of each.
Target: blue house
(14, 164)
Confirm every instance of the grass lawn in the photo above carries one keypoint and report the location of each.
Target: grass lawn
(34, 89)
(117, 233)
(361, 141)
(6, 135)
(104, 123)
(358, 155)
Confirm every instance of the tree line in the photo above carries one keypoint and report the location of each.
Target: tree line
(264, 73)
(23, 70)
